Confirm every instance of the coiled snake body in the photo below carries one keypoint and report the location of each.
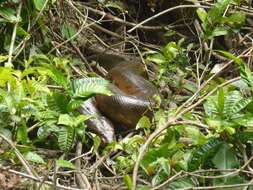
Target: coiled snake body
(131, 99)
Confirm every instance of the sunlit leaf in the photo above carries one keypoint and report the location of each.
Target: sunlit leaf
(34, 157)
(39, 4)
(65, 164)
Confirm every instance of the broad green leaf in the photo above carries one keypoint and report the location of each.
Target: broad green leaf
(157, 58)
(202, 14)
(65, 119)
(237, 19)
(34, 157)
(219, 31)
(144, 123)
(39, 4)
(9, 15)
(65, 138)
(80, 119)
(171, 51)
(74, 104)
(22, 135)
(182, 183)
(65, 164)
(58, 102)
(164, 165)
(201, 155)
(225, 158)
(86, 87)
(238, 106)
(58, 76)
(128, 182)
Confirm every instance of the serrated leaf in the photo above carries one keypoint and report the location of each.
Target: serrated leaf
(34, 157)
(65, 164)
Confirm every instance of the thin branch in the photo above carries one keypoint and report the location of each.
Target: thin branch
(172, 121)
(165, 12)
(37, 179)
(20, 156)
(13, 37)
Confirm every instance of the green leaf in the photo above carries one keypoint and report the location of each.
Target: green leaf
(96, 142)
(39, 4)
(65, 138)
(221, 100)
(65, 119)
(144, 123)
(65, 164)
(202, 14)
(86, 87)
(200, 156)
(22, 135)
(236, 20)
(128, 182)
(80, 119)
(68, 31)
(225, 158)
(182, 183)
(245, 71)
(34, 157)
(9, 15)
(157, 58)
(58, 76)
(3, 58)
(219, 31)
(58, 102)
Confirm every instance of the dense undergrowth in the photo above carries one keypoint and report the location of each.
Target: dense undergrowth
(200, 60)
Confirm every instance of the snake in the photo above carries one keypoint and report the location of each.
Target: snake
(132, 98)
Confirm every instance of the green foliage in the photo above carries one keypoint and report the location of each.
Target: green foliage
(34, 157)
(215, 23)
(39, 96)
(65, 164)
(169, 58)
(86, 87)
(224, 110)
(225, 158)
(201, 155)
